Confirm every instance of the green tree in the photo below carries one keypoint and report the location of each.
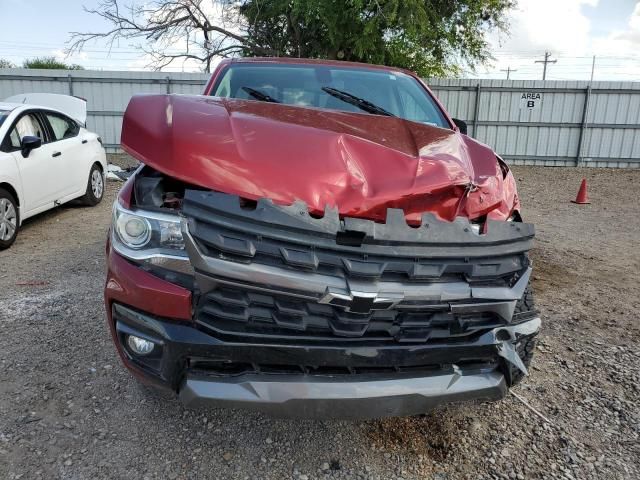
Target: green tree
(432, 37)
(50, 63)
(6, 63)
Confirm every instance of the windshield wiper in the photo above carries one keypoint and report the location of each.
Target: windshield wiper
(361, 103)
(259, 95)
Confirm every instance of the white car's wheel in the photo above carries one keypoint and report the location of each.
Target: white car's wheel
(9, 219)
(95, 186)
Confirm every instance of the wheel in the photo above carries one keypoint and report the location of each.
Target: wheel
(95, 186)
(525, 345)
(9, 219)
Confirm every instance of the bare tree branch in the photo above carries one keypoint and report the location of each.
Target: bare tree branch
(171, 30)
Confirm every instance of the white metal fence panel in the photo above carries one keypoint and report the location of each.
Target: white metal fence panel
(529, 122)
(564, 123)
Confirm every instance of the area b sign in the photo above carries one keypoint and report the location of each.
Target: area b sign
(530, 100)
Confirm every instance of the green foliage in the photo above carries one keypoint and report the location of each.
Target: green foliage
(50, 63)
(431, 37)
(6, 63)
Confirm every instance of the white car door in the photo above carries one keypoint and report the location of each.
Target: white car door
(38, 173)
(73, 158)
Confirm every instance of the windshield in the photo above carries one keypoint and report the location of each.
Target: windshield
(3, 116)
(361, 90)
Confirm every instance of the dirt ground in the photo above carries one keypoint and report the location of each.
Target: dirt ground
(69, 410)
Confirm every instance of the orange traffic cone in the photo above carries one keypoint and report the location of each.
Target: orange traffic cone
(582, 198)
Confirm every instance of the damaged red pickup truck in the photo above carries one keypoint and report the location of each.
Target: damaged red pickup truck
(317, 239)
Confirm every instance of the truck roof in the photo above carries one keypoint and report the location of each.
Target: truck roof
(312, 61)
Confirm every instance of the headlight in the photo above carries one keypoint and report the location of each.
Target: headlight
(148, 232)
(134, 231)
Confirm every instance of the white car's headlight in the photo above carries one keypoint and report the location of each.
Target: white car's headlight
(146, 231)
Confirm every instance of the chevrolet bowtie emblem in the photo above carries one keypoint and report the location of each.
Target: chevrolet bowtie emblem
(361, 302)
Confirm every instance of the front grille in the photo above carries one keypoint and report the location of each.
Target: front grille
(274, 274)
(219, 242)
(231, 312)
(221, 368)
(288, 237)
(268, 252)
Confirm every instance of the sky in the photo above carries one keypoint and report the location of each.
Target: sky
(572, 30)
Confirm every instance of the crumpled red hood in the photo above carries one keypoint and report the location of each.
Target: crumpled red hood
(360, 164)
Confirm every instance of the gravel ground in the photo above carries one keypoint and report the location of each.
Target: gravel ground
(68, 409)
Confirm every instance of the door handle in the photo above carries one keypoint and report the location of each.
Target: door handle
(84, 141)
(56, 154)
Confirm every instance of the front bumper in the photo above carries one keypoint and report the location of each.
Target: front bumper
(300, 396)
(204, 370)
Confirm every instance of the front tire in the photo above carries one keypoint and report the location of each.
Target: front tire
(525, 346)
(9, 219)
(95, 186)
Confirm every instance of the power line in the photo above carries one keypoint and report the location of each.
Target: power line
(545, 61)
(508, 70)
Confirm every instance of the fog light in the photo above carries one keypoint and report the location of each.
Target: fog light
(139, 346)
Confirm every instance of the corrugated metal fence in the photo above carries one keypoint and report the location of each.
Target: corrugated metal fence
(550, 123)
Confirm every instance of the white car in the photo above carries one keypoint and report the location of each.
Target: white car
(47, 158)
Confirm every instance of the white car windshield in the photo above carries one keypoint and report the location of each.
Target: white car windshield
(351, 89)
(3, 116)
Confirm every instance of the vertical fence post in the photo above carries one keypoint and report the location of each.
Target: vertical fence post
(583, 128)
(70, 82)
(168, 84)
(476, 109)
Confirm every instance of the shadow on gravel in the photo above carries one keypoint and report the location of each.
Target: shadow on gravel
(434, 434)
(548, 274)
(51, 215)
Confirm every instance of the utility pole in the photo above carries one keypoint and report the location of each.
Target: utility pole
(545, 61)
(508, 70)
(593, 67)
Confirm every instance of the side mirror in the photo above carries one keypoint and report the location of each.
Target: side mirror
(461, 124)
(30, 143)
